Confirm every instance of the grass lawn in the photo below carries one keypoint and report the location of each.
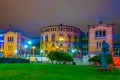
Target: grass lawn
(54, 72)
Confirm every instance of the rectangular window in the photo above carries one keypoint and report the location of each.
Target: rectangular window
(100, 33)
(66, 29)
(7, 39)
(100, 45)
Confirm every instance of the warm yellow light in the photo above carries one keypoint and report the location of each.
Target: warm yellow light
(57, 47)
(33, 47)
(61, 39)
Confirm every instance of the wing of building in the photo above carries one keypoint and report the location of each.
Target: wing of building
(60, 38)
(13, 43)
(98, 33)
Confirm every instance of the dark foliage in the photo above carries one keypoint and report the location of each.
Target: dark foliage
(60, 56)
(13, 60)
(97, 59)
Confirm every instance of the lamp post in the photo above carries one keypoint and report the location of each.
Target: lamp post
(57, 46)
(25, 46)
(16, 52)
(41, 51)
(29, 43)
(73, 51)
(33, 50)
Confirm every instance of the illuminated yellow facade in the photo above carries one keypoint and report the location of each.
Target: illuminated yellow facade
(13, 43)
(60, 38)
(10, 43)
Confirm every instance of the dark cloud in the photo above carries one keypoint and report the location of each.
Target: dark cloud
(30, 15)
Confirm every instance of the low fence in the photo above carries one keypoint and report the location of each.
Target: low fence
(38, 59)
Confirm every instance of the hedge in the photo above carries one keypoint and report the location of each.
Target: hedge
(13, 60)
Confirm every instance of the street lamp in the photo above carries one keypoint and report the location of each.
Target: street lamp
(57, 46)
(61, 39)
(16, 52)
(33, 49)
(73, 50)
(29, 42)
(25, 46)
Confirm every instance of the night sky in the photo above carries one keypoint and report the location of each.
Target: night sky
(30, 15)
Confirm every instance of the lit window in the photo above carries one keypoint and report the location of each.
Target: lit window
(118, 52)
(55, 29)
(53, 37)
(61, 37)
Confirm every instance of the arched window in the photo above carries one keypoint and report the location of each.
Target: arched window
(42, 39)
(75, 38)
(100, 33)
(96, 34)
(104, 33)
(61, 44)
(7, 39)
(12, 39)
(53, 37)
(46, 38)
(61, 37)
(69, 38)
